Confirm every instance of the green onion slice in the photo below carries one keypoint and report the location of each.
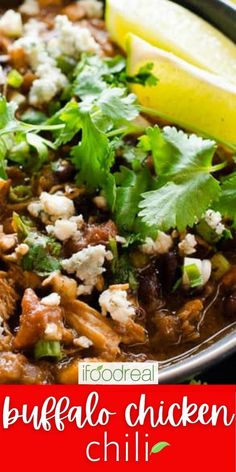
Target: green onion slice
(47, 349)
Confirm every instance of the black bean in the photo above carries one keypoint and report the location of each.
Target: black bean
(150, 289)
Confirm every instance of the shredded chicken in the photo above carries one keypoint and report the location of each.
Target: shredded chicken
(90, 323)
(8, 296)
(16, 369)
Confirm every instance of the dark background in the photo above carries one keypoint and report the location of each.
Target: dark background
(222, 373)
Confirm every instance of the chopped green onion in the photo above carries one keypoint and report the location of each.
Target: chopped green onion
(193, 275)
(20, 193)
(15, 79)
(66, 64)
(20, 226)
(47, 349)
(133, 282)
(220, 266)
(207, 233)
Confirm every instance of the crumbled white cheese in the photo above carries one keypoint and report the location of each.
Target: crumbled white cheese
(71, 39)
(30, 7)
(92, 8)
(57, 205)
(11, 24)
(83, 342)
(204, 267)
(162, 245)
(52, 207)
(51, 300)
(52, 332)
(115, 302)
(35, 208)
(100, 202)
(63, 229)
(87, 265)
(188, 245)
(79, 220)
(214, 220)
(51, 81)
(35, 50)
(34, 28)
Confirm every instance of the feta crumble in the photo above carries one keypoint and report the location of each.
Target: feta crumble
(30, 8)
(92, 8)
(162, 245)
(50, 82)
(50, 79)
(115, 301)
(52, 206)
(51, 300)
(34, 49)
(188, 245)
(63, 229)
(34, 28)
(57, 206)
(214, 220)
(11, 24)
(52, 332)
(83, 342)
(35, 208)
(71, 39)
(88, 266)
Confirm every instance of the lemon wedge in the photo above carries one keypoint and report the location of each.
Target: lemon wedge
(185, 94)
(173, 28)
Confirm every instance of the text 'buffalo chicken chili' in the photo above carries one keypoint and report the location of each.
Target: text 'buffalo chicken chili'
(117, 239)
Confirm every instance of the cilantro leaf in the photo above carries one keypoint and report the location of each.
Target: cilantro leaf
(177, 204)
(69, 116)
(89, 77)
(144, 76)
(94, 74)
(130, 185)
(174, 151)
(227, 202)
(117, 106)
(94, 156)
(41, 257)
(38, 143)
(7, 115)
(185, 187)
(13, 140)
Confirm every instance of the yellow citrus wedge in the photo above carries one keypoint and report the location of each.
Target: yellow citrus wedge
(185, 94)
(171, 27)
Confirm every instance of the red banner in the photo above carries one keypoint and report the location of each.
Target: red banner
(154, 428)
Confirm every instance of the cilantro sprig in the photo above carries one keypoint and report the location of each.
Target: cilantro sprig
(185, 186)
(14, 132)
(227, 201)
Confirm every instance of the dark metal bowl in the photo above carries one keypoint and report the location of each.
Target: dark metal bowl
(222, 14)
